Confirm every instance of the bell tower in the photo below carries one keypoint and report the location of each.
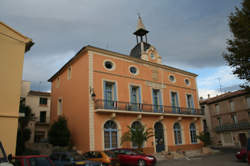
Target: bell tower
(143, 49)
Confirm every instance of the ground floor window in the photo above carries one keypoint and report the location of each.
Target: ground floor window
(110, 135)
(177, 134)
(193, 133)
(135, 125)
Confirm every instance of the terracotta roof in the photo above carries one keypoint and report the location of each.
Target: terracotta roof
(38, 93)
(112, 53)
(224, 96)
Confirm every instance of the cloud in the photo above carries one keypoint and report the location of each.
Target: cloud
(205, 92)
(222, 76)
(38, 69)
(187, 34)
(219, 81)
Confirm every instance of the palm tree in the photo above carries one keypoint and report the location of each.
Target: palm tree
(137, 135)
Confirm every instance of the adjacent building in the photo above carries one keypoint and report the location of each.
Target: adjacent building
(101, 92)
(39, 102)
(228, 118)
(13, 45)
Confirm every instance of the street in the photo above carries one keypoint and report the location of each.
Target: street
(221, 159)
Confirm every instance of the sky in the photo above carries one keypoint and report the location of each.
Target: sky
(188, 34)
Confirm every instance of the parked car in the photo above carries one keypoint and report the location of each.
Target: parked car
(33, 160)
(242, 155)
(71, 159)
(3, 158)
(134, 157)
(107, 158)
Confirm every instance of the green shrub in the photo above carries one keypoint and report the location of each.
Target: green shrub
(59, 134)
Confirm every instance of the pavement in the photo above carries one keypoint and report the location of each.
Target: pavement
(225, 158)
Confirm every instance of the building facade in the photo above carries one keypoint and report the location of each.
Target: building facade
(39, 102)
(101, 92)
(228, 118)
(13, 45)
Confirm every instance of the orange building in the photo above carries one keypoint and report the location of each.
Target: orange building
(101, 92)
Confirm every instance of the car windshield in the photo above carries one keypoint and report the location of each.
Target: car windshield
(78, 157)
(110, 154)
(138, 152)
(40, 161)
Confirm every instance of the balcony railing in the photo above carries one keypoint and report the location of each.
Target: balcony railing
(138, 107)
(234, 126)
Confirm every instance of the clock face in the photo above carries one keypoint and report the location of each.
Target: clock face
(152, 55)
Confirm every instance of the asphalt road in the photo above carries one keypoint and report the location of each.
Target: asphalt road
(220, 159)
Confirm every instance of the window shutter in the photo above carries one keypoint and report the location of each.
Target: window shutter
(104, 90)
(131, 97)
(160, 100)
(139, 94)
(115, 95)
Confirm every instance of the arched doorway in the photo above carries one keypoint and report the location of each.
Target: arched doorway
(159, 137)
(110, 135)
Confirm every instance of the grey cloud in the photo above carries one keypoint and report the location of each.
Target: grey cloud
(191, 33)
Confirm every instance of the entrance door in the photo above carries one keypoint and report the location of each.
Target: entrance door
(243, 139)
(159, 137)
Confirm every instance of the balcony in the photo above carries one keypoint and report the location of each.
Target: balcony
(234, 126)
(138, 108)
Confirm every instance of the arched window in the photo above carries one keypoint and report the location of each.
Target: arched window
(177, 134)
(110, 135)
(193, 133)
(135, 125)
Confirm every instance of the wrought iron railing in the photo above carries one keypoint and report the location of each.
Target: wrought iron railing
(139, 107)
(233, 126)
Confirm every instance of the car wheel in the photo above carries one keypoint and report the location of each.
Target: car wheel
(141, 163)
(244, 158)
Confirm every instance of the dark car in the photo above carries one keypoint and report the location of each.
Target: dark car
(242, 154)
(134, 157)
(33, 160)
(71, 159)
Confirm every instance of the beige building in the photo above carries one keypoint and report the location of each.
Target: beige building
(39, 102)
(228, 118)
(13, 45)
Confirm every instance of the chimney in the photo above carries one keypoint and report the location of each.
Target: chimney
(208, 95)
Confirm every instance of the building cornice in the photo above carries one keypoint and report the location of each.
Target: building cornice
(116, 54)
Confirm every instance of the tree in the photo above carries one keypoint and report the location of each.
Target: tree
(238, 55)
(23, 133)
(59, 134)
(205, 138)
(137, 135)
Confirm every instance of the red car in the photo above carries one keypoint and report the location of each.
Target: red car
(33, 160)
(248, 148)
(242, 154)
(134, 157)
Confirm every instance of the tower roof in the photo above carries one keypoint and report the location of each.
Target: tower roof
(140, 29)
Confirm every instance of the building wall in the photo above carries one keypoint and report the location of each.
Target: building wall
(123, 79)
(34, 103)
(75, 100)
(241, 110)
(88, 74)
(12, 48)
